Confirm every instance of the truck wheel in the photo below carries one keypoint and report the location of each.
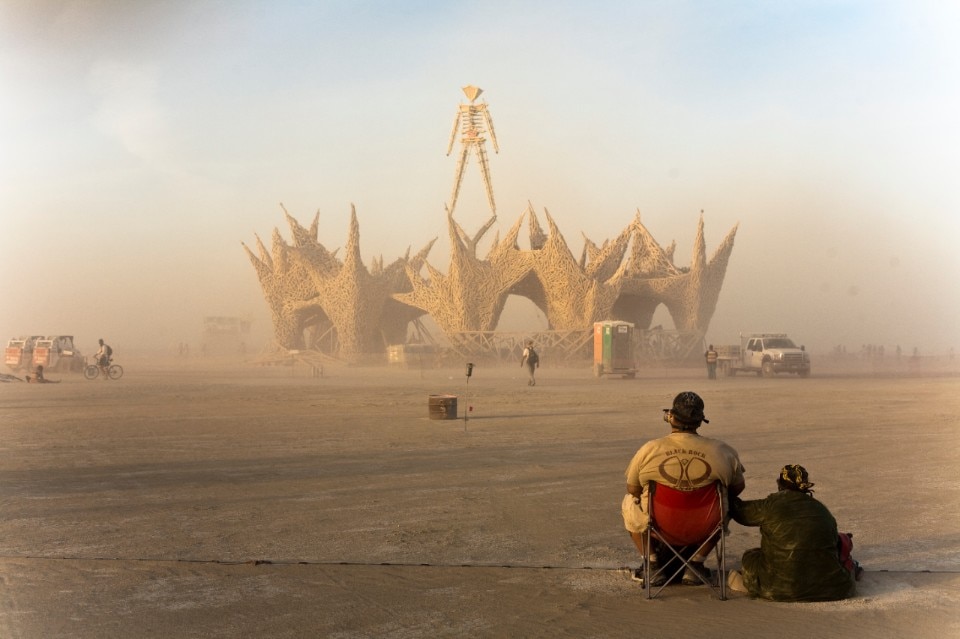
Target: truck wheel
(804, 373)
(767, 369)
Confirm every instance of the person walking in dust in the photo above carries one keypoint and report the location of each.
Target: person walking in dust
(711, 356)
(531, 360)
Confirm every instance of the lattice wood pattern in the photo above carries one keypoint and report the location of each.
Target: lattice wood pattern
(310, 289)
(507, 347)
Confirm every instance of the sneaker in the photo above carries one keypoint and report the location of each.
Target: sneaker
(735, 582)
(692, 575)
(658, 580)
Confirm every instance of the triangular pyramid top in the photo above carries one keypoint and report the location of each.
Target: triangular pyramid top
(472, 92)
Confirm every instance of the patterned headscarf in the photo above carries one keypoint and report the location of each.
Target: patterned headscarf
(795, 476)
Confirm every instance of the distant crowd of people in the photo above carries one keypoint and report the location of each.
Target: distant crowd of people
(878, 353)
(183, 349)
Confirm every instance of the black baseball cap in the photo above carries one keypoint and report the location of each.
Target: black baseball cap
(688, 408)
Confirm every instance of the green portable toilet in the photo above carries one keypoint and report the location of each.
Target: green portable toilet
(613, 348)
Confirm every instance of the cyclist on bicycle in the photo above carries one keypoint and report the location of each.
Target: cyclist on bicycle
(103, 356)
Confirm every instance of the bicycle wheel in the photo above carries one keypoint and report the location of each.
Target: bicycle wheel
(91, 371)
(115, 371)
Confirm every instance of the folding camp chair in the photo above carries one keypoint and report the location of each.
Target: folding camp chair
(683, 522)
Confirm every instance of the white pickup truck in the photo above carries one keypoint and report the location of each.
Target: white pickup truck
(765, 354)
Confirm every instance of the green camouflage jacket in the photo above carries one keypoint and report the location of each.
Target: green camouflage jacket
(798, 558)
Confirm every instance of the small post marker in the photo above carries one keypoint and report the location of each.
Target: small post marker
(466, 407)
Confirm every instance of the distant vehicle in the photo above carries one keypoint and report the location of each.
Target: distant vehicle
(224, 335)
(765, 354)
(413, 355)
(18, 355)
(57, 353)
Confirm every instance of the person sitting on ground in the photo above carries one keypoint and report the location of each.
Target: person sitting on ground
(799, 558)
(38, 377)
(683, 460)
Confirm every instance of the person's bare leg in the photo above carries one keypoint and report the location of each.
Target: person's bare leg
(640, 542)
(705, 551)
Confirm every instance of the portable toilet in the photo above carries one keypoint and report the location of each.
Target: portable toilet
(613, 348)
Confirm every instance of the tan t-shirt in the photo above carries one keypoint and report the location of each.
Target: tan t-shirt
(685, 461)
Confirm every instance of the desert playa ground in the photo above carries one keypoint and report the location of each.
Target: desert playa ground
(196, 499)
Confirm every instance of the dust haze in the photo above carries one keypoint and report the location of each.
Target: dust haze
(144, 144)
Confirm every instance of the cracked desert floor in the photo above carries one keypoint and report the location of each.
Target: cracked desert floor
(200, 499)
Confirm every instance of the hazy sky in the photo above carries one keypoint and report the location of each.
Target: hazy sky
(141, 142)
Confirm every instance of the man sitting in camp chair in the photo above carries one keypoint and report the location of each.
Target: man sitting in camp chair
(684, 461)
